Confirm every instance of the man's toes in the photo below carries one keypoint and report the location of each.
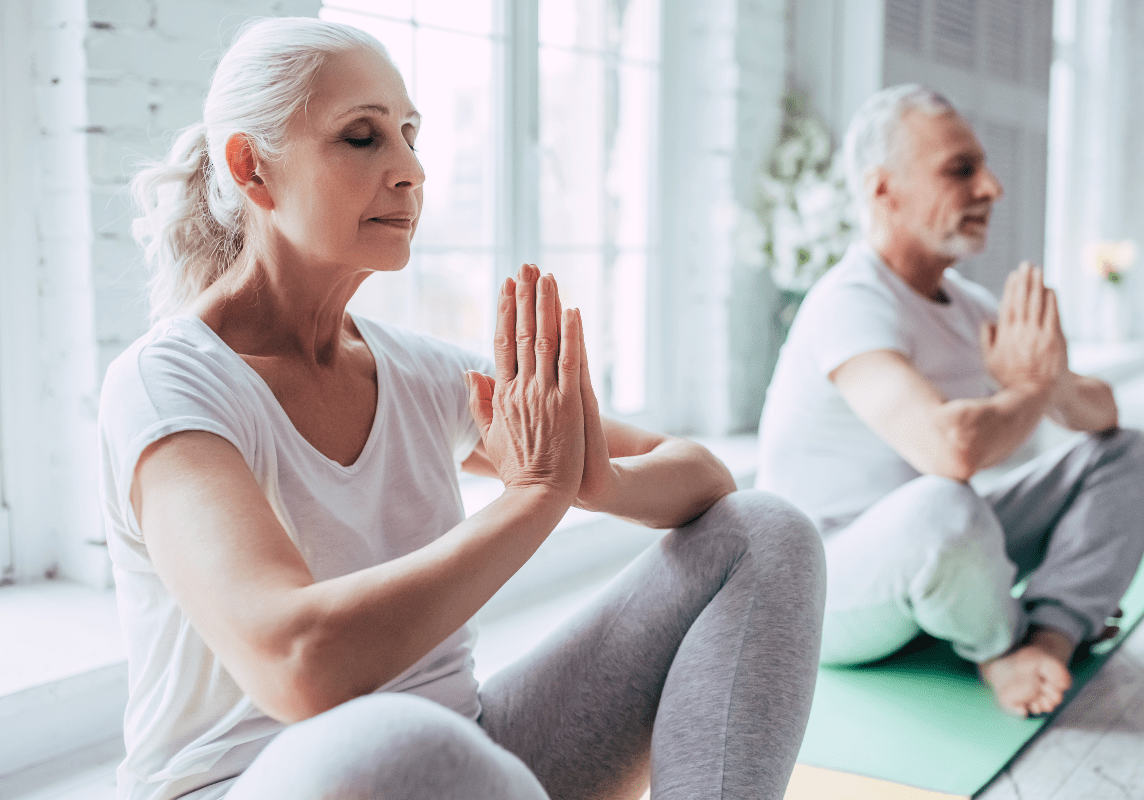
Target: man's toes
(1057, 679)
(1016, 701)
(1041, 706)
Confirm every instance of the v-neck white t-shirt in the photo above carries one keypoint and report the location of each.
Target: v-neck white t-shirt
(188, 724)
(813, 448)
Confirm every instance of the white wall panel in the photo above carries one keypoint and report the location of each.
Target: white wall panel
(992, 60)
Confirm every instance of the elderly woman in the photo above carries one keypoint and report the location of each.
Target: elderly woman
(295, 574)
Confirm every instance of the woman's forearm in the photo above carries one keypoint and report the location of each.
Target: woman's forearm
(667, 487)
(338, 639)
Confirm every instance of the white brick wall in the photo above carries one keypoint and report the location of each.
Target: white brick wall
(723, 84)
(112, 79)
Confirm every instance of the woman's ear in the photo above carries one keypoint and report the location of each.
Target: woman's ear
(244, 165)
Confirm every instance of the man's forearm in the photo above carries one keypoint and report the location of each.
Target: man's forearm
(983, 433)
(669, 486)
(1083, 403)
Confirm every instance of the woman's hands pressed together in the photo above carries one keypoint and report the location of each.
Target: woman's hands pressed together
(541, 424)
(531, 417)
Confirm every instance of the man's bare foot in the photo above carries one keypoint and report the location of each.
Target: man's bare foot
(1033, 677)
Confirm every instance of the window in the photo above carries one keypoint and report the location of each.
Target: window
(598, 89)
(446, 53)
(567, 169)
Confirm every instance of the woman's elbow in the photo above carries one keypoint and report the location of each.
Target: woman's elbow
(293, 678)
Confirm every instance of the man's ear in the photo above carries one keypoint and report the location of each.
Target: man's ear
(879, 188)
(244, 165)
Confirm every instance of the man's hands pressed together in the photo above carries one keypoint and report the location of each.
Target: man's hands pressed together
(1025, 352)
(1026, 348)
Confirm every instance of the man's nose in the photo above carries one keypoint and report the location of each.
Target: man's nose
(990, 186)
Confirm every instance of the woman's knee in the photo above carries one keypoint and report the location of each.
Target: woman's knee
(774, 529)
(401, 745)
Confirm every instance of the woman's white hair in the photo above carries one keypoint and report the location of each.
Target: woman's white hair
(871, 136)
(192, 222)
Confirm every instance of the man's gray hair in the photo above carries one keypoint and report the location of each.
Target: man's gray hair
(871, 135)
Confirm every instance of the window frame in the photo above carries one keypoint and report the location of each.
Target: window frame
(516, 95)
(5, 206)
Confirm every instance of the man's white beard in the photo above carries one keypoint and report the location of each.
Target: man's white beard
(961, 245)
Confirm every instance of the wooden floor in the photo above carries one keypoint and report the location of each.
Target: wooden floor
(1093, 750)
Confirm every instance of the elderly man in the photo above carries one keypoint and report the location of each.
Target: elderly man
(900, 380)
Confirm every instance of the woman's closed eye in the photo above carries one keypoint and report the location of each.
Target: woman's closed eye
(360, 141)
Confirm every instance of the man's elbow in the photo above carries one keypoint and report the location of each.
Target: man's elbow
(961, 457)
(961, 467)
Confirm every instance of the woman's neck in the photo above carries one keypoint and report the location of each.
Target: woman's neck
(264, 309)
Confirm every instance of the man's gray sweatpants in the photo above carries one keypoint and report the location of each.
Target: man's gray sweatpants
(698, 661)
(936, 556)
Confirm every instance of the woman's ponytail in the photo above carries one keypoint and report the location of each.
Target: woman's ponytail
(189, 233)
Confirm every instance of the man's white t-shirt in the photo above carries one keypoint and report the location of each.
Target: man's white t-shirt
(188, 724)
(813, 448)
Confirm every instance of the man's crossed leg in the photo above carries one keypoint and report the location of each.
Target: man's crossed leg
(935, 556)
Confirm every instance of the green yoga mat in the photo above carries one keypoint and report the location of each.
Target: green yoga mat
(922, 718)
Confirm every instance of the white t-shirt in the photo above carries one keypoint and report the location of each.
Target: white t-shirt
(188, 724)
(813, 448)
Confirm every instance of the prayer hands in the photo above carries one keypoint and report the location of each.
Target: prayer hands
(597, 478)
(1027, 346)
(531, 417)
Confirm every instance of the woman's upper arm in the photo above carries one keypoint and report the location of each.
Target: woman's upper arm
(627, 440)
(221, 552)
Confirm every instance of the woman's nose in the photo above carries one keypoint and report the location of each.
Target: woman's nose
(409, 173)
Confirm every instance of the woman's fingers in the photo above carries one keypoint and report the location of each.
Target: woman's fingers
(587, 393)
(526, 321)
(547, 331)
(504, 342)
(481, 389)
(568, 368)
(595, 442)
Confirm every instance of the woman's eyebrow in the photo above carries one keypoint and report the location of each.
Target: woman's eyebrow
(383, 110)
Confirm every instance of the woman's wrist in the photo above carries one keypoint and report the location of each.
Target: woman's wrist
(538, 496)
(604, 490)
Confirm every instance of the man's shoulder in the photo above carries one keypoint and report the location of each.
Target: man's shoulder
(855, 279)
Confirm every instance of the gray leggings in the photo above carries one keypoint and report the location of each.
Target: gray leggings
(698, 661)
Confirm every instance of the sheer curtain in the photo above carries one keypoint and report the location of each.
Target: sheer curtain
(1096, 154)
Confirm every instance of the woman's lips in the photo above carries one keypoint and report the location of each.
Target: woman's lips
(396, 222)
